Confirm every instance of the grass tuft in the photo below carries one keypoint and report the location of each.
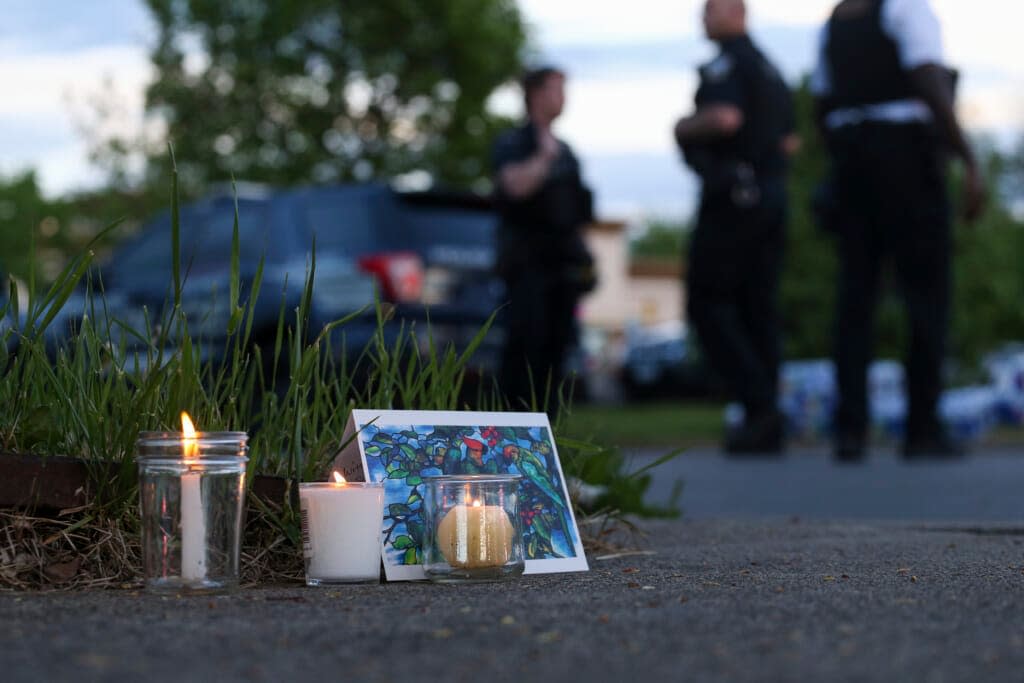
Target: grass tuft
(108, 379)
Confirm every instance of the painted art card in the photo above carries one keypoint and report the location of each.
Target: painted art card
(400, 447)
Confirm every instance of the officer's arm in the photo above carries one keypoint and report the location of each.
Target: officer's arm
(933, 85)
(709, 122)
(520, 179)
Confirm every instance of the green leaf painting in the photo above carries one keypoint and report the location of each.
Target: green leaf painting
(401, 456)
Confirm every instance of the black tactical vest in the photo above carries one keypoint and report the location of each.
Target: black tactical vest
(864, 61)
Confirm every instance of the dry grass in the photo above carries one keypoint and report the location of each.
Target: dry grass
(71, 552)
(610, 533)
(76, 551)
(268, 555)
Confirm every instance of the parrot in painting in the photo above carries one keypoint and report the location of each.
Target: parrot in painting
(531, 467)
(475, 463)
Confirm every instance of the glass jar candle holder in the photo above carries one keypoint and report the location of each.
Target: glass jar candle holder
(341, 531)
(192, 504)
(473, 531)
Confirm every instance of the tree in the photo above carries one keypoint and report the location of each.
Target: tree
(662, 240)
(29, 221)
(807, 289)
(327, 90)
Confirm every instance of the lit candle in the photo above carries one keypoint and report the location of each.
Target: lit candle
(474, 536)
(341, 527)
(193, 519)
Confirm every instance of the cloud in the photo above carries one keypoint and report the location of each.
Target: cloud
(46, 96)
(38, 84)
(568, 22)
(67, 26)
(631, 74)
(637, 184)
(625, 114)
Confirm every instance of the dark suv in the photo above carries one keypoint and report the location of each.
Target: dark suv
(430, 255)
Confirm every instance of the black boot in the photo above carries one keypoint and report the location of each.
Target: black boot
(760, 434)
(849, 447)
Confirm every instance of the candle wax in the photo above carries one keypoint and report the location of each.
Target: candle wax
(475, 536)
(193, 528)
(342, 532)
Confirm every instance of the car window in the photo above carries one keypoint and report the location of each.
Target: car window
(206, 234)
(209, 247)
(451, 237)
(350, 220)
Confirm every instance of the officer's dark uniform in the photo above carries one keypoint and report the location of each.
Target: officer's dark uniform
(736, 248)
(545, 265)
(891, 199)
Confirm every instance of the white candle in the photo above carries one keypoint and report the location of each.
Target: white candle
(193, 518)
(474, 536)
(193, 529)
(341, 527)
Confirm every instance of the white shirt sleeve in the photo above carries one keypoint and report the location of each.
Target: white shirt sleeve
(821, 77)
(915, 28)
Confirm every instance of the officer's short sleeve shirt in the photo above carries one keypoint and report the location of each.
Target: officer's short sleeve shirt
(720, 82)
(512, 146)
(912, 24)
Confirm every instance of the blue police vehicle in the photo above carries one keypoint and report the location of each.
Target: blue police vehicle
(427, 255)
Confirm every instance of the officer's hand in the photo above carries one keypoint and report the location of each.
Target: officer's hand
(790, 144)
(726, 118)
(974, 193)
(547, 145)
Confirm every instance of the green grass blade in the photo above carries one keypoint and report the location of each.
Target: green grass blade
(175, 229)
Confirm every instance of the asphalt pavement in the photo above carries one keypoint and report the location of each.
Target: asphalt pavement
(718, 600)
(986, 485)
(790, 570)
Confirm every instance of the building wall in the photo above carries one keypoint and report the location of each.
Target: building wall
(628, 293)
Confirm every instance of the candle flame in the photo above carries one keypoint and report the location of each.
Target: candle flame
(338, 479)
(189, 447)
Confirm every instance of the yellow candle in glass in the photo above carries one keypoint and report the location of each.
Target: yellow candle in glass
(474, 536)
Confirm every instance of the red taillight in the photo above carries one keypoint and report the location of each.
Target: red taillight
(400, 274)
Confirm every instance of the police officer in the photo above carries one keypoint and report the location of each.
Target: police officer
(885, 104)
(737, 140)
(541, 254)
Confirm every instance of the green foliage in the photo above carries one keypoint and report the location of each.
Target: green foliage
(989, 285)
(607, 467)
(91, 396)
(807, 290)
(41, 235)
(318, 91)
(663, 240)
(31, 224)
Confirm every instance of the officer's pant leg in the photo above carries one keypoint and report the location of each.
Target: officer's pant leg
(713, 305)
(560, 338)
(860, 259)
(922, 253)
(759, 307)
(526, 324)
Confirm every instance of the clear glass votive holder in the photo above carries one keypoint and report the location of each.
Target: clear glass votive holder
(341, 531)
(473, 531)
(192, 505)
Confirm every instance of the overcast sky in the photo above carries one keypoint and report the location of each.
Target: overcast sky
(631, 67)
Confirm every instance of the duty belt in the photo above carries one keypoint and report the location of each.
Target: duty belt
(896, 111)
